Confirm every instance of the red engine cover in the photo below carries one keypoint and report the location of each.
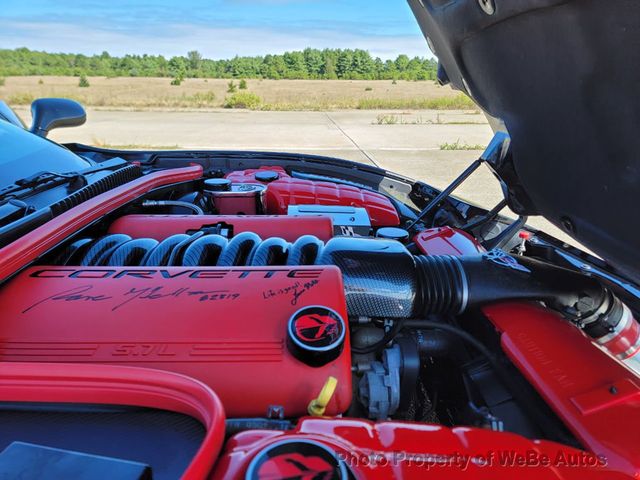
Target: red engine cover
(287, 191)
(225, 327)
(409, 451)
(162, 226)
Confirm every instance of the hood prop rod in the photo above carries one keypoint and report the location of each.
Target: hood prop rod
(494, 151)
(437, 200)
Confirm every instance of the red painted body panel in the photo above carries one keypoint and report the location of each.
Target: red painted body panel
(162, 226)
(597, 397)
(116, 385)
(224, 327)
(447, 241)
(414, 451)
(295, 191)
(29, 247)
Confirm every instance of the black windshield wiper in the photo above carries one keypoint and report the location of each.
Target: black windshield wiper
(76, 179)
(41, 178)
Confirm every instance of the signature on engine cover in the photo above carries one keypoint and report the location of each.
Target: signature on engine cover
(87, 293)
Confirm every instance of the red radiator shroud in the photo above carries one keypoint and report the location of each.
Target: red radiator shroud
(224, 327)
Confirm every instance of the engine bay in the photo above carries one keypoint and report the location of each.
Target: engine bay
(302, 302)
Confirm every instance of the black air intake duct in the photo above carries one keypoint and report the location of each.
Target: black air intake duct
(382, 279)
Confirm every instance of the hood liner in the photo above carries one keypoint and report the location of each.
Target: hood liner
(564, 76)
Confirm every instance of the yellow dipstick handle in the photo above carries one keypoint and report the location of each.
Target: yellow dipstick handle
(317, 406)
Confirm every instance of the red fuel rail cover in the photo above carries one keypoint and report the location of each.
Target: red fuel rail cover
(367, 450)
(226, 327)
(160, 227)
(286, 190)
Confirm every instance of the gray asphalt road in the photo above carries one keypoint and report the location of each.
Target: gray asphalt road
(408, 143)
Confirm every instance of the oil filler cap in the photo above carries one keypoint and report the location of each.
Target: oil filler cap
(315, 335)
(217, 185)
(296, 459)
(266, 176)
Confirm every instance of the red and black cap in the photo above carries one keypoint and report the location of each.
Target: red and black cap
(296, 459)
(315, 335)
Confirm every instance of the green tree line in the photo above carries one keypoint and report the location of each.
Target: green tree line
(307, 64)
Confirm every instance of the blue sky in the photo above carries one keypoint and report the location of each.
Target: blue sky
(217, 28)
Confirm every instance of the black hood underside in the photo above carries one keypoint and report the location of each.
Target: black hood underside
(564, 76)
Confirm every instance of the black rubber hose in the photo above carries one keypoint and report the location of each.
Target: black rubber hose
(437, 344)
(461, 334)
(380, 344)
(173, 203)
(177, 253)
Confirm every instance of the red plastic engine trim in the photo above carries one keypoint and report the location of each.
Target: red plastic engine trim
(447, 241)
(160, 227)
(597, 397)
(248, 175)
(297, 191)
(415, 451)
(17, 254)
(116, 385)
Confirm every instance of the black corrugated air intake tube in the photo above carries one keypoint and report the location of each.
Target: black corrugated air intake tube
(381, 278)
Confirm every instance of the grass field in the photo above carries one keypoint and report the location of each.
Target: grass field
(143, 93)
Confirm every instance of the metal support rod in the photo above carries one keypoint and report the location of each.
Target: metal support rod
(447, 191)
(492, 154)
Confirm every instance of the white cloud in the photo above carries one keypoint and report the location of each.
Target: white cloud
(212, 42)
